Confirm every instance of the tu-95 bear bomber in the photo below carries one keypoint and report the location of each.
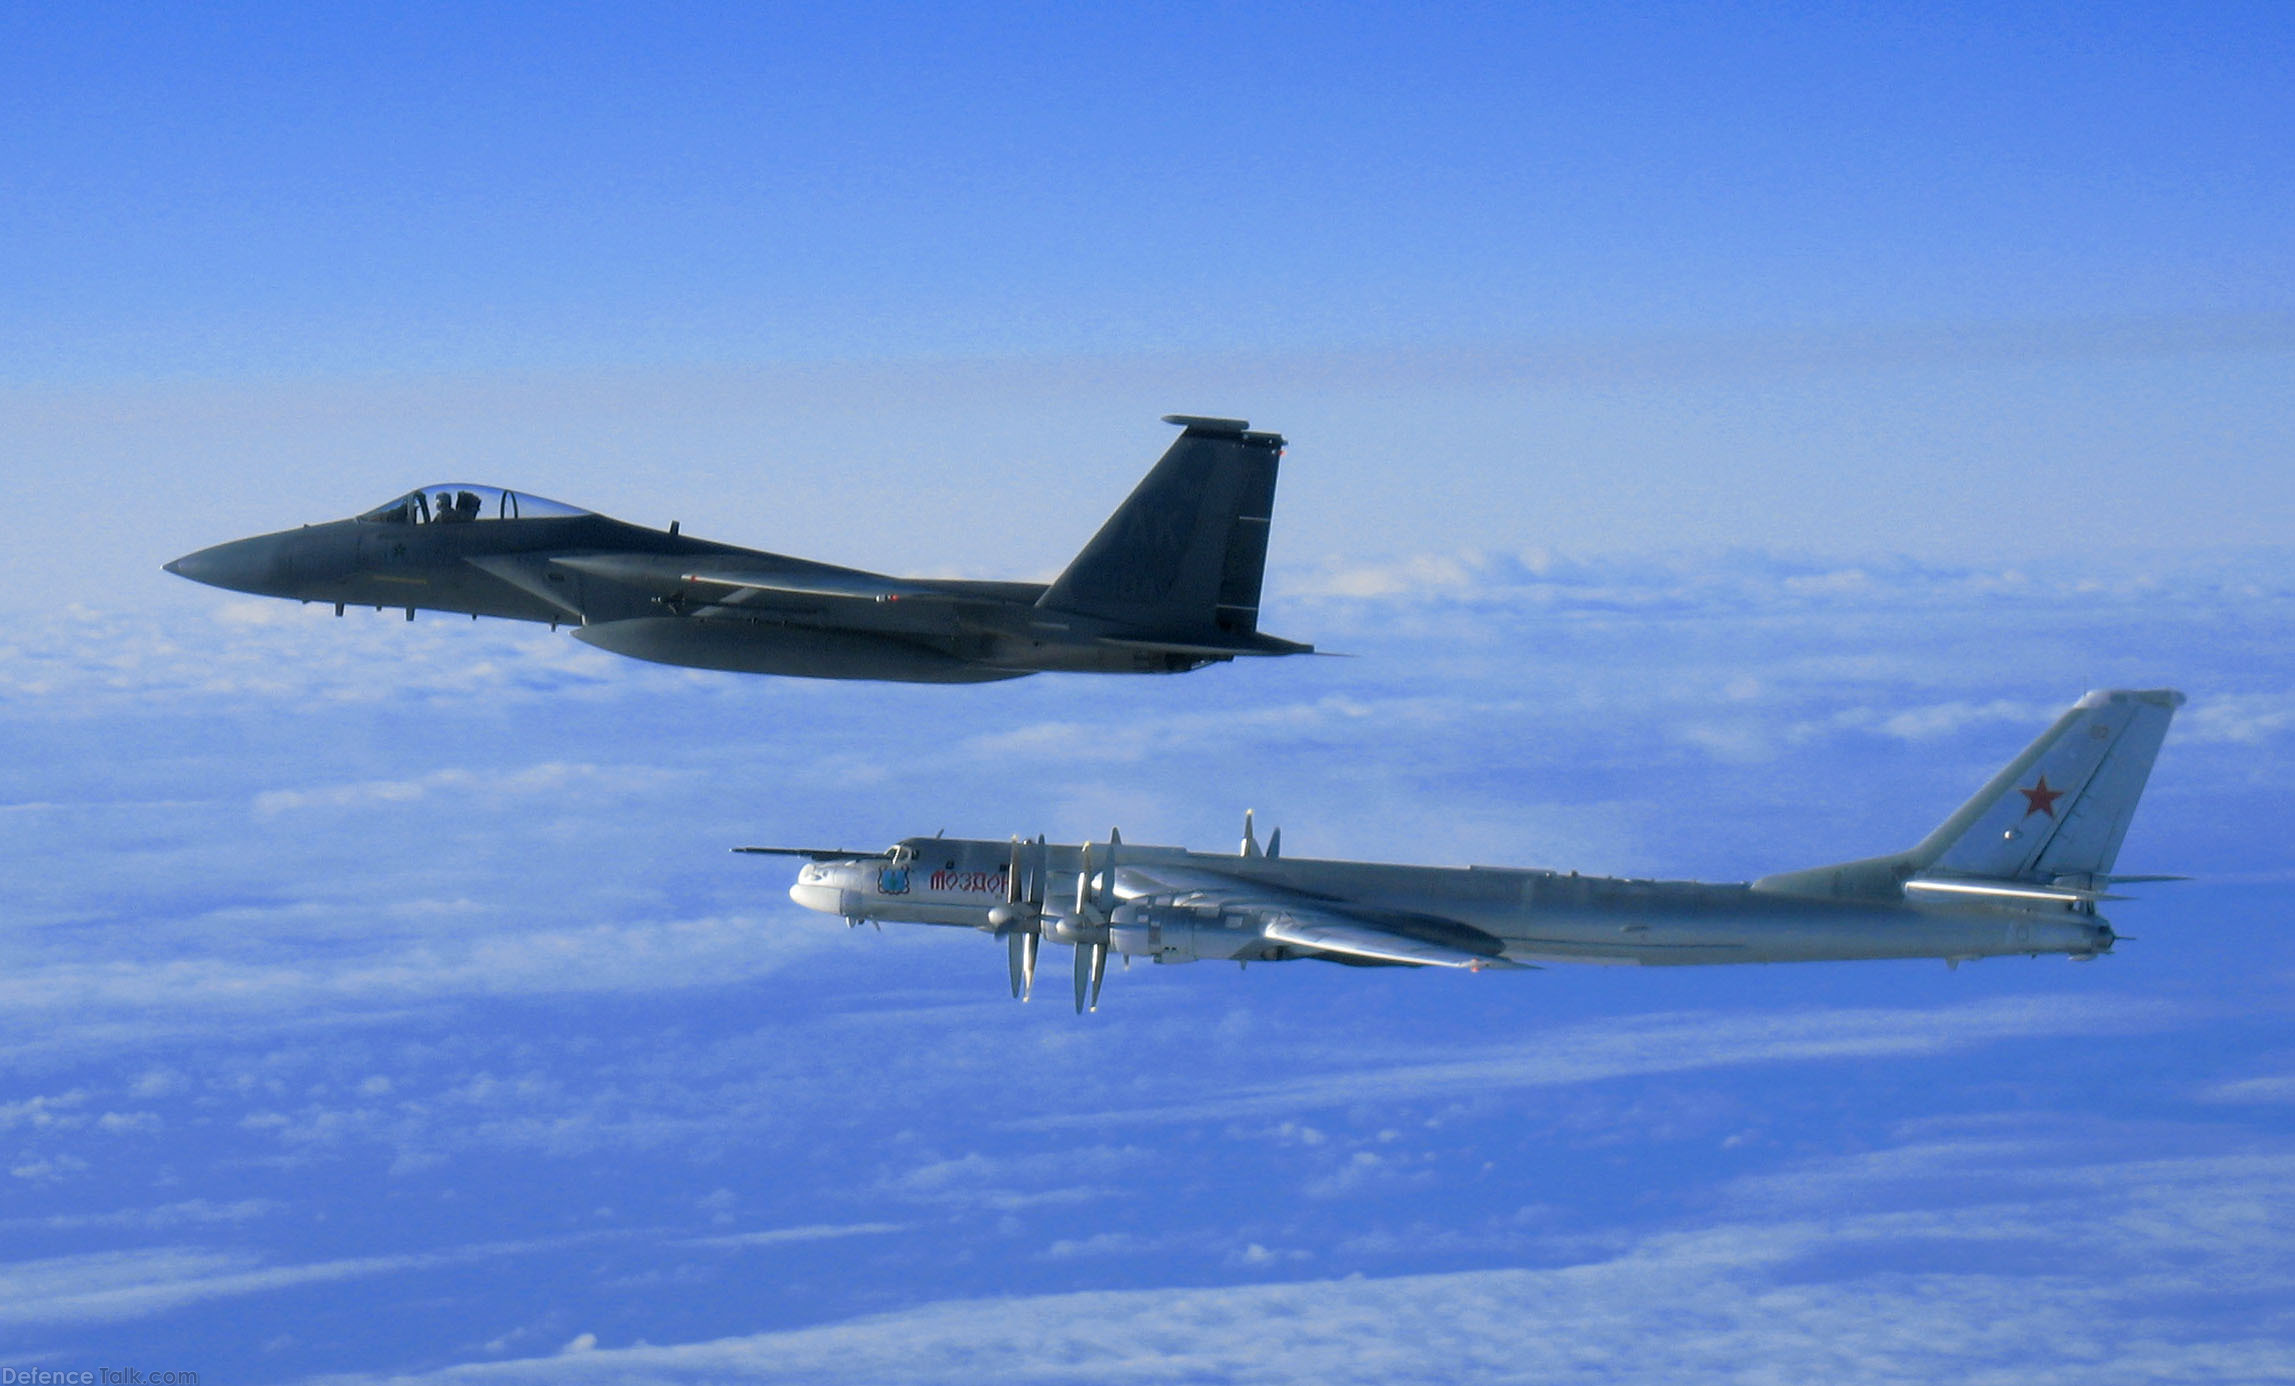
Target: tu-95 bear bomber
(2018, 869)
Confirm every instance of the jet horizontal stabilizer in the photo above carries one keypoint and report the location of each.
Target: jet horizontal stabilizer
(1201, 423)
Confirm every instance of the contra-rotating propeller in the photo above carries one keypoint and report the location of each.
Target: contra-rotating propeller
(1084, 920)
(1020, 919)
(1089, 926)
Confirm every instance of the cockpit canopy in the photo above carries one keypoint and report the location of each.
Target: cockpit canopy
(458, 502)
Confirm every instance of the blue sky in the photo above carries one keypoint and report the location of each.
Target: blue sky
(1722, 435)
(411, 187)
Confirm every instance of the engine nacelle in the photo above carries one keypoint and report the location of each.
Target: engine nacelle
(1170, 934)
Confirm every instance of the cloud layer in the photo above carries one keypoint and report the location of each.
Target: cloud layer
(391, 984)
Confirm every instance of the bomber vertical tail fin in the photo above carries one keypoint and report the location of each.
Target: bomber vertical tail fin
(2062, 808)
(1183, 557)
(2048, 826)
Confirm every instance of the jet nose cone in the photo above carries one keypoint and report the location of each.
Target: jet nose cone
(243, 565)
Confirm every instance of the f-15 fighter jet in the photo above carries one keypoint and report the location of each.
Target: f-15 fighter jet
(2020, 868)
(1170, 583)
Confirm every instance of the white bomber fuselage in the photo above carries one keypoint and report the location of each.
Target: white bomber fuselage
(2018, 868)
(1531, 916)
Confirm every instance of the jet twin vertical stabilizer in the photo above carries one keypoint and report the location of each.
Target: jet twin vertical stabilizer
(1181, 561)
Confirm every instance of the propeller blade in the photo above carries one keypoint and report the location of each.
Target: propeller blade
(1012, 876)
(1108, 876)
(1099, 970)
(1028, 942)
(1083, 974)
(1250, 847)
(1274, 844)
(1015, 960)
(1084, 885)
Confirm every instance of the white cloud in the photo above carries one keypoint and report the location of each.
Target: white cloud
(323, 970)
(2273, 1088)
(2240, 719)
(2098, 1269)
(43, 1112)
(1255, 1257)
(188, 1213)
(488, 788)
(1363, 1172)
(1099, 1244)
(1940, 720)
(1640, 1045)
(782, 1236)
(106, 1287)
(164, 995)
(112, 1286)
(1009, 1182)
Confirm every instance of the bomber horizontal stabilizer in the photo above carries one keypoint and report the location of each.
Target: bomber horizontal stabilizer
(2009, 890)
(812, 853)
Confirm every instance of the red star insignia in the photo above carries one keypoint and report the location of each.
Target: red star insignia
(2040, 798)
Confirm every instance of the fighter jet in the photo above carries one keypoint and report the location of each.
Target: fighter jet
(1169, 584)
(2019, 868)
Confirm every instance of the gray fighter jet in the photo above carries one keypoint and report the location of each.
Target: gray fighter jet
(1170, 583)
(2020, 868)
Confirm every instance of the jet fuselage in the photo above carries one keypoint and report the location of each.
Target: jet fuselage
(1170, 583)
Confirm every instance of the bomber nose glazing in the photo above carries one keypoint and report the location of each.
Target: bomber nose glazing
(823, 888)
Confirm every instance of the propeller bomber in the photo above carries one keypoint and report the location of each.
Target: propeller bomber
(2018, 869)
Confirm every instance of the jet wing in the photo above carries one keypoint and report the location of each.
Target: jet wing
(853, 586)
(1260, 645)
(529, 574)
(674, 573)
(1302, 920)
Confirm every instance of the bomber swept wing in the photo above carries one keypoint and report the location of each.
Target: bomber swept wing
(1281, 915)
